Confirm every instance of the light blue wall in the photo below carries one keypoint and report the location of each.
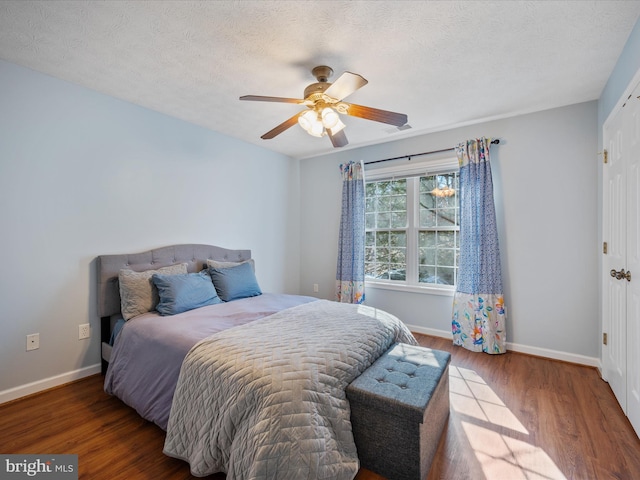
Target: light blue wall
(84, 174)
(545, 176)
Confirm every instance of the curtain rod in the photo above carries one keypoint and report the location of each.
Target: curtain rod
(494, 142)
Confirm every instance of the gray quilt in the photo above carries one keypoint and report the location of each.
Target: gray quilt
(267, 400)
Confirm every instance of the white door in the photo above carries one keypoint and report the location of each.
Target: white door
(621, 263)
(614, 235)
(633, 260)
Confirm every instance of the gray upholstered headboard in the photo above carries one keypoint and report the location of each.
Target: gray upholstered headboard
(108, 267)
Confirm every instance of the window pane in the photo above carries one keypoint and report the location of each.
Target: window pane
(370, 189)
(427, 184)
(397, 255)
(427, 274)
(398, 219)
(427, 202)
(383, 220)
(370, 221)
(399, 187)
(448, 202)
(446, 239)
(446, 257)
(369, 254)
(427, 217)
(397, 272)
(445, 275)
(381, 275)
(398, 203)
(427, 256)
(369, 270)
(398, 239)
(446, 217)
(369, 239)
(427, 239)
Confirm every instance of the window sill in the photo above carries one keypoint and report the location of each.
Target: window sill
(447, 290)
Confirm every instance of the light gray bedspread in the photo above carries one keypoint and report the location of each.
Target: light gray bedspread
(267, 400)
(148, 353)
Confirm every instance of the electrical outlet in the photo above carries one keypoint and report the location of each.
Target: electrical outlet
(84, 331)
(33, 341)
(315, 287)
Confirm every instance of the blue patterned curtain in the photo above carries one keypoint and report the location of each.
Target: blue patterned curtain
(350, 272)
(478, 307)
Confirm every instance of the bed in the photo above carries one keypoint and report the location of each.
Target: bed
(253, 386)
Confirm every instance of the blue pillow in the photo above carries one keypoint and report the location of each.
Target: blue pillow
(182, 292)
(235, 282)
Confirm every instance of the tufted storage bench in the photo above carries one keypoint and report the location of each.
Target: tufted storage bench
(399, 407)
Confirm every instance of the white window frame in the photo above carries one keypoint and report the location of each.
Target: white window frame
(396, 172)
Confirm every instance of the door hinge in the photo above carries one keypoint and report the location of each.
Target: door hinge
(604, 338)
(604, 247)
(605, 156)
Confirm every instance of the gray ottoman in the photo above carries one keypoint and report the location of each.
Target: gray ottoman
(399, 408)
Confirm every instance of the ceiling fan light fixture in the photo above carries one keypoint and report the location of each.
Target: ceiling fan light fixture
(307, 119)
(317, 129)
(330, 117)
(312, 123)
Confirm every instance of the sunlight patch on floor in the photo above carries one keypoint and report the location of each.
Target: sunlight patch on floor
(470, 395)
(501, 456)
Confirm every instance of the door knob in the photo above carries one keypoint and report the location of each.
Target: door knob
(621, 274)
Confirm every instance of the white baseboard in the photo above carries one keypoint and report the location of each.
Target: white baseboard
(514, 347)
(44, 384)
(430, 331)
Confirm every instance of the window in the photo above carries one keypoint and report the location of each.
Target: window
(412, 230)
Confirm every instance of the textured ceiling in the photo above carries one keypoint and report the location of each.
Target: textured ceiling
(443, 63)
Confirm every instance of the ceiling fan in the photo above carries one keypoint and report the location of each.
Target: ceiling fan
(324, 103)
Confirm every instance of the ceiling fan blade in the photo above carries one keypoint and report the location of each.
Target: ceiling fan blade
(282, 127)
(338, 139)
(377, 115)
(345, 85)
(259, 98)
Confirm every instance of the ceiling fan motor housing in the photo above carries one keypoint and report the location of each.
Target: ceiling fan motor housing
(322, 73)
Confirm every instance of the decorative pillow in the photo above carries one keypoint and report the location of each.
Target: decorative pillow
(219, 265)
(235, 282)
(179, 293)
(138, 294)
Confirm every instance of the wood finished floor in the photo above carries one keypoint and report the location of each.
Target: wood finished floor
(513, 417)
